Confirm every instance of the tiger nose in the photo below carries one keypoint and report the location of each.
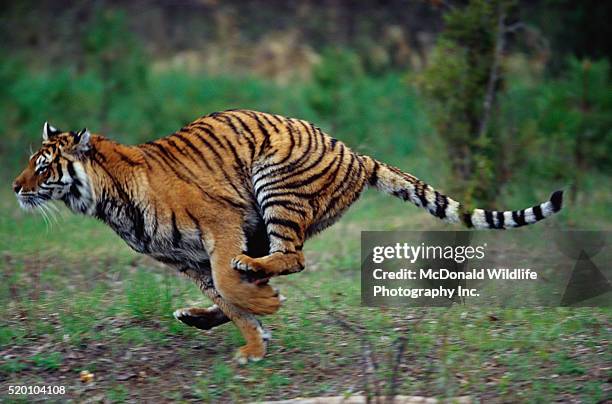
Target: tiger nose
(16, 187)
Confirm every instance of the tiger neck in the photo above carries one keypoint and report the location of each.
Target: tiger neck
(114, 180)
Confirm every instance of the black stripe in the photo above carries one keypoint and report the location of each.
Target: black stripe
(402, 194)
(74, 187)
(334, 175)
(313, 144)
(71, 170)
(193, 148)
(176, 234)
(309, 180)
(261, 127)
(210, 132)
(269, 122)
(155, 221)
(167, 158)
(489, 219)
(374, 176)
(441, 205)
(251, 142)
(467, 219)
(209, 146)
(126, 159)
(227, 176)
(289, 175)
(280, 168)
(537, 211)
(285, 223)
(168, 155)
(278, 118)
(183, 152)
(60, 172)
(556, 199)
(519, 218)
(280, 236)
(289, 205)
(419, 189)
(163, 162)
(122, 193)
(232, 202)
(221, 117)
(287, 155)
(343, 183)
(245, 126)
(349, 185)
(500, 220)
(292, 131)
(137, 216)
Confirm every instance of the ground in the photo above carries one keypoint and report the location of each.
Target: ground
(74, 298)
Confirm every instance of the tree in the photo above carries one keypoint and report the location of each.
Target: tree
(461, 83)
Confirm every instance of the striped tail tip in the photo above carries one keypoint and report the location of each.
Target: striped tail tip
(493, 219)
(556, 200)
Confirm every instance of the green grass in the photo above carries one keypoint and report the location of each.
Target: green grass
(48, 361)
(91, 303)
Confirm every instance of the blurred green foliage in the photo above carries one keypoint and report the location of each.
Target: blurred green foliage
(551, 129)
(456, 82)
(559, 131)
(544, 130)
(116, 92)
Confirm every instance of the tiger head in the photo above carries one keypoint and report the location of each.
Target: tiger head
(56, 171)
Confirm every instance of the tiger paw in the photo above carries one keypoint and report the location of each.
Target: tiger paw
(250, 353)
(245, 263)
(252, 270)
(204, 319)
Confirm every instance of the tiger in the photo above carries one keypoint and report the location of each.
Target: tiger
(229, 200)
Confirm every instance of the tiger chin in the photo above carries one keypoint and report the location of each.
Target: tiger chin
(229, 201)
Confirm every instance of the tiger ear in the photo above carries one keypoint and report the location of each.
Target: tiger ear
(81, 140)
(49, 131)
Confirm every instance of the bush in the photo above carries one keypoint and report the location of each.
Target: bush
(374, 115)
(455, 83)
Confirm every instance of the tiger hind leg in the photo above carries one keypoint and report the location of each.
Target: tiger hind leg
(286, 233)
(277, 263)
(204, 319)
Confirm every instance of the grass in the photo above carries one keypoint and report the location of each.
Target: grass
(75, 298)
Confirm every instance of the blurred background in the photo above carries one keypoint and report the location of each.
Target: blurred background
(497, 103)
(501, 98)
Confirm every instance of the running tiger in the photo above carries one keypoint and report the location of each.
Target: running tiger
(229, 201)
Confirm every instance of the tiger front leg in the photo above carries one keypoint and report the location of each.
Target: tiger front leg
(204, 319)
(250, 297)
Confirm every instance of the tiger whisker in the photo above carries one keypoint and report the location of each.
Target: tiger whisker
(44, 215)
(51, 213)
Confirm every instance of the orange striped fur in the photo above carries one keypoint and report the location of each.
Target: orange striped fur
(229, 200)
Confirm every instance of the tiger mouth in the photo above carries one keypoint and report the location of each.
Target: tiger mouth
(31, 200)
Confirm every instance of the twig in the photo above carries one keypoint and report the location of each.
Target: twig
(500, 44)
(369, 375)
(514, 27)
(401, 347)
(369, 360)
(446, 4)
